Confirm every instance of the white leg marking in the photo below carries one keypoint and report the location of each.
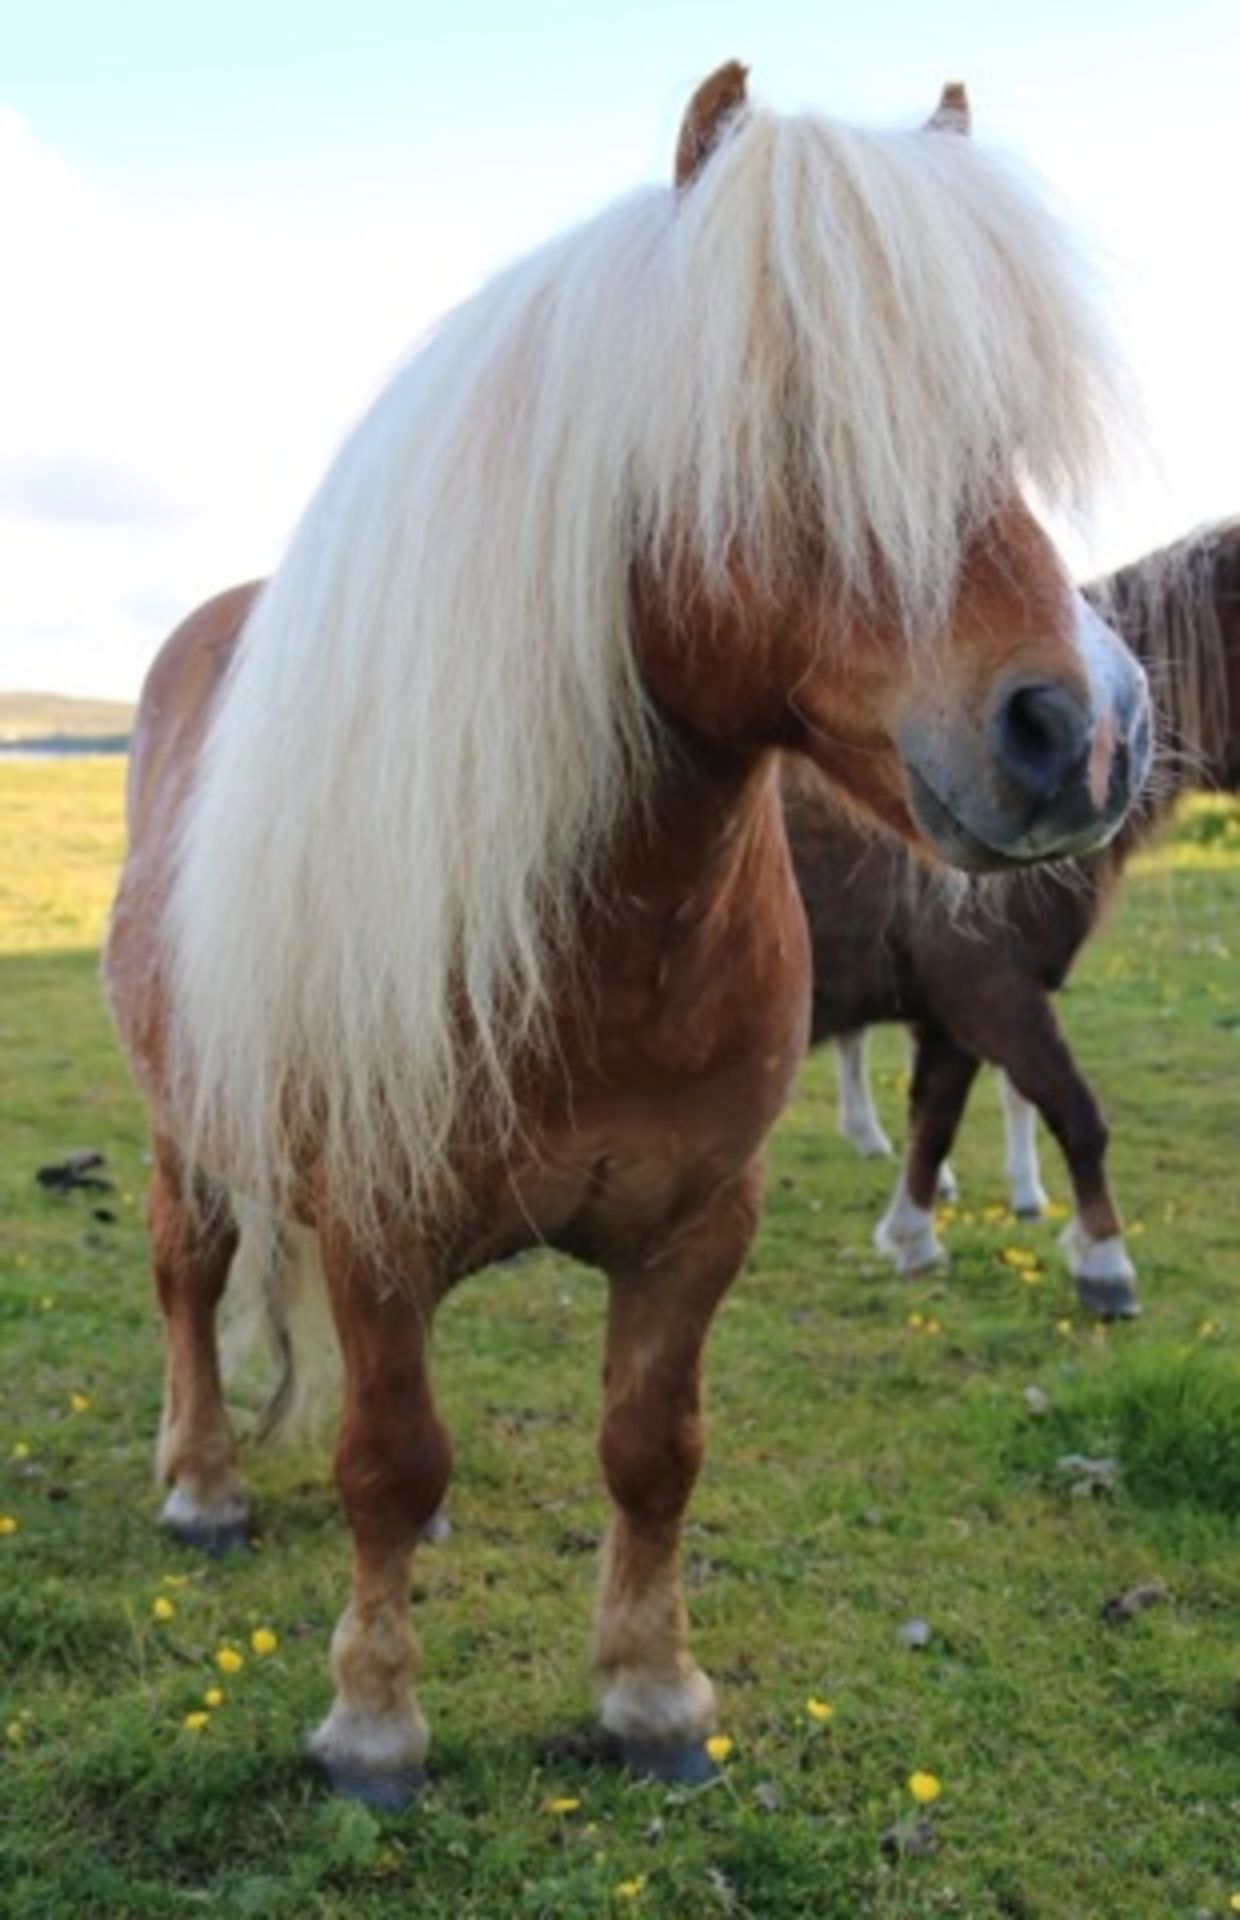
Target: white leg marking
(906, 1235)
(859, 1121)
(184, 1512)
(643, 1707)
(438, 1527)
(1020, 1118)
(947, 1186)
(1090, 1259)
(355, 1740)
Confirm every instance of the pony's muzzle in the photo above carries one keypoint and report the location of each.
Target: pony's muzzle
(1048, 772)
(1071, 759)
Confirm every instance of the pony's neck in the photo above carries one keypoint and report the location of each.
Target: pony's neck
(697, 830)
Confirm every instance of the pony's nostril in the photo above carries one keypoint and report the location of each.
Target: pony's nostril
(1040, 735)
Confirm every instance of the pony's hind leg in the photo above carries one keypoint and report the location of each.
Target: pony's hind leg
(654, 1699)
(859, 1121)
(1020, 1125)
(1040, 1064)
(943, 1073)
(393, 1463)
(193, 1239)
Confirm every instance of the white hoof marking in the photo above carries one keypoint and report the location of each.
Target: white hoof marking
(1090, 1259)
(906, 1235)
(183, 1513)
(637, 1706)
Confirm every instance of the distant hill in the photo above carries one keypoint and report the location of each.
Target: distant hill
(38, 718)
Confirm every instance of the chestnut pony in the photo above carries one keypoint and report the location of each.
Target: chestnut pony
(458, 913)
(974, 977)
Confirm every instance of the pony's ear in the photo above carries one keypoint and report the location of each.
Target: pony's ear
(717, 101)
(952, 114)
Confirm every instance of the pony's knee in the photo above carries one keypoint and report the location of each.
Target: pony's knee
(650, 1459)
(394, 1485)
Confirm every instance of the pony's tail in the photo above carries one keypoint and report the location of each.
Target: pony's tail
(277, 1297)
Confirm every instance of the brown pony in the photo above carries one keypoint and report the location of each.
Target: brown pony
(974, 977)
(458, 913)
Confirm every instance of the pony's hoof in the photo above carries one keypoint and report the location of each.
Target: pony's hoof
(675, 1764)
(216, 1540)
(226, 1529)
(910, 1253)
(385, 1792)
(1114, 1299)
(1106, 1280)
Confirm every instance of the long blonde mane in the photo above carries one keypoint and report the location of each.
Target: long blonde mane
(435, 722)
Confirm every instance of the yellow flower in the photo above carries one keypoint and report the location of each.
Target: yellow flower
(933, 1327)
(1019, 1257)
(994, 1213)
(631, 1889)
(21, 1451)
(719, 1746)
(1064, 1327)
(1208, 1329)
(213, 1697)
(1234, 1903)
(561, 1803)
(47, 1303)
(820, 1710)
(195, 1722)
(263, 1640)
(15, 1733)
(1056, 1210)
(176, 1579)
(916, 1321)
(7, 1524)
(162, 1609)
(80, 1402)
(228, 1660)
(924, 1787)
(1032, 1276)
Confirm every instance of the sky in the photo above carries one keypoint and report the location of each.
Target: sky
(223, 223)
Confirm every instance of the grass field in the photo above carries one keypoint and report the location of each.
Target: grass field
(864, 1470)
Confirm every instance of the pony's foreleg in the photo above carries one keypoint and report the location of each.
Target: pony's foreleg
(943, 1072)
(393, 1463)
(193, 1239)
(859, 1121)
(1020, 1126)
(1040, 1065)
(654, 1698)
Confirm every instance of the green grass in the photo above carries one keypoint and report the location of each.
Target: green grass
(862, 1471)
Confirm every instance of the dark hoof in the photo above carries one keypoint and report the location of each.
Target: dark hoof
(385, 1792)
(1109, 1299)
(216, 1540)
(684, 1765)
(1030, 1213)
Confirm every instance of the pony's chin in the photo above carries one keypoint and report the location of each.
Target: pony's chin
(954, 841)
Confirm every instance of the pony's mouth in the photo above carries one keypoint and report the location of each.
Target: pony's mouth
(962, 846)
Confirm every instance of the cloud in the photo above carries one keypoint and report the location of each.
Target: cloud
(74, 490)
